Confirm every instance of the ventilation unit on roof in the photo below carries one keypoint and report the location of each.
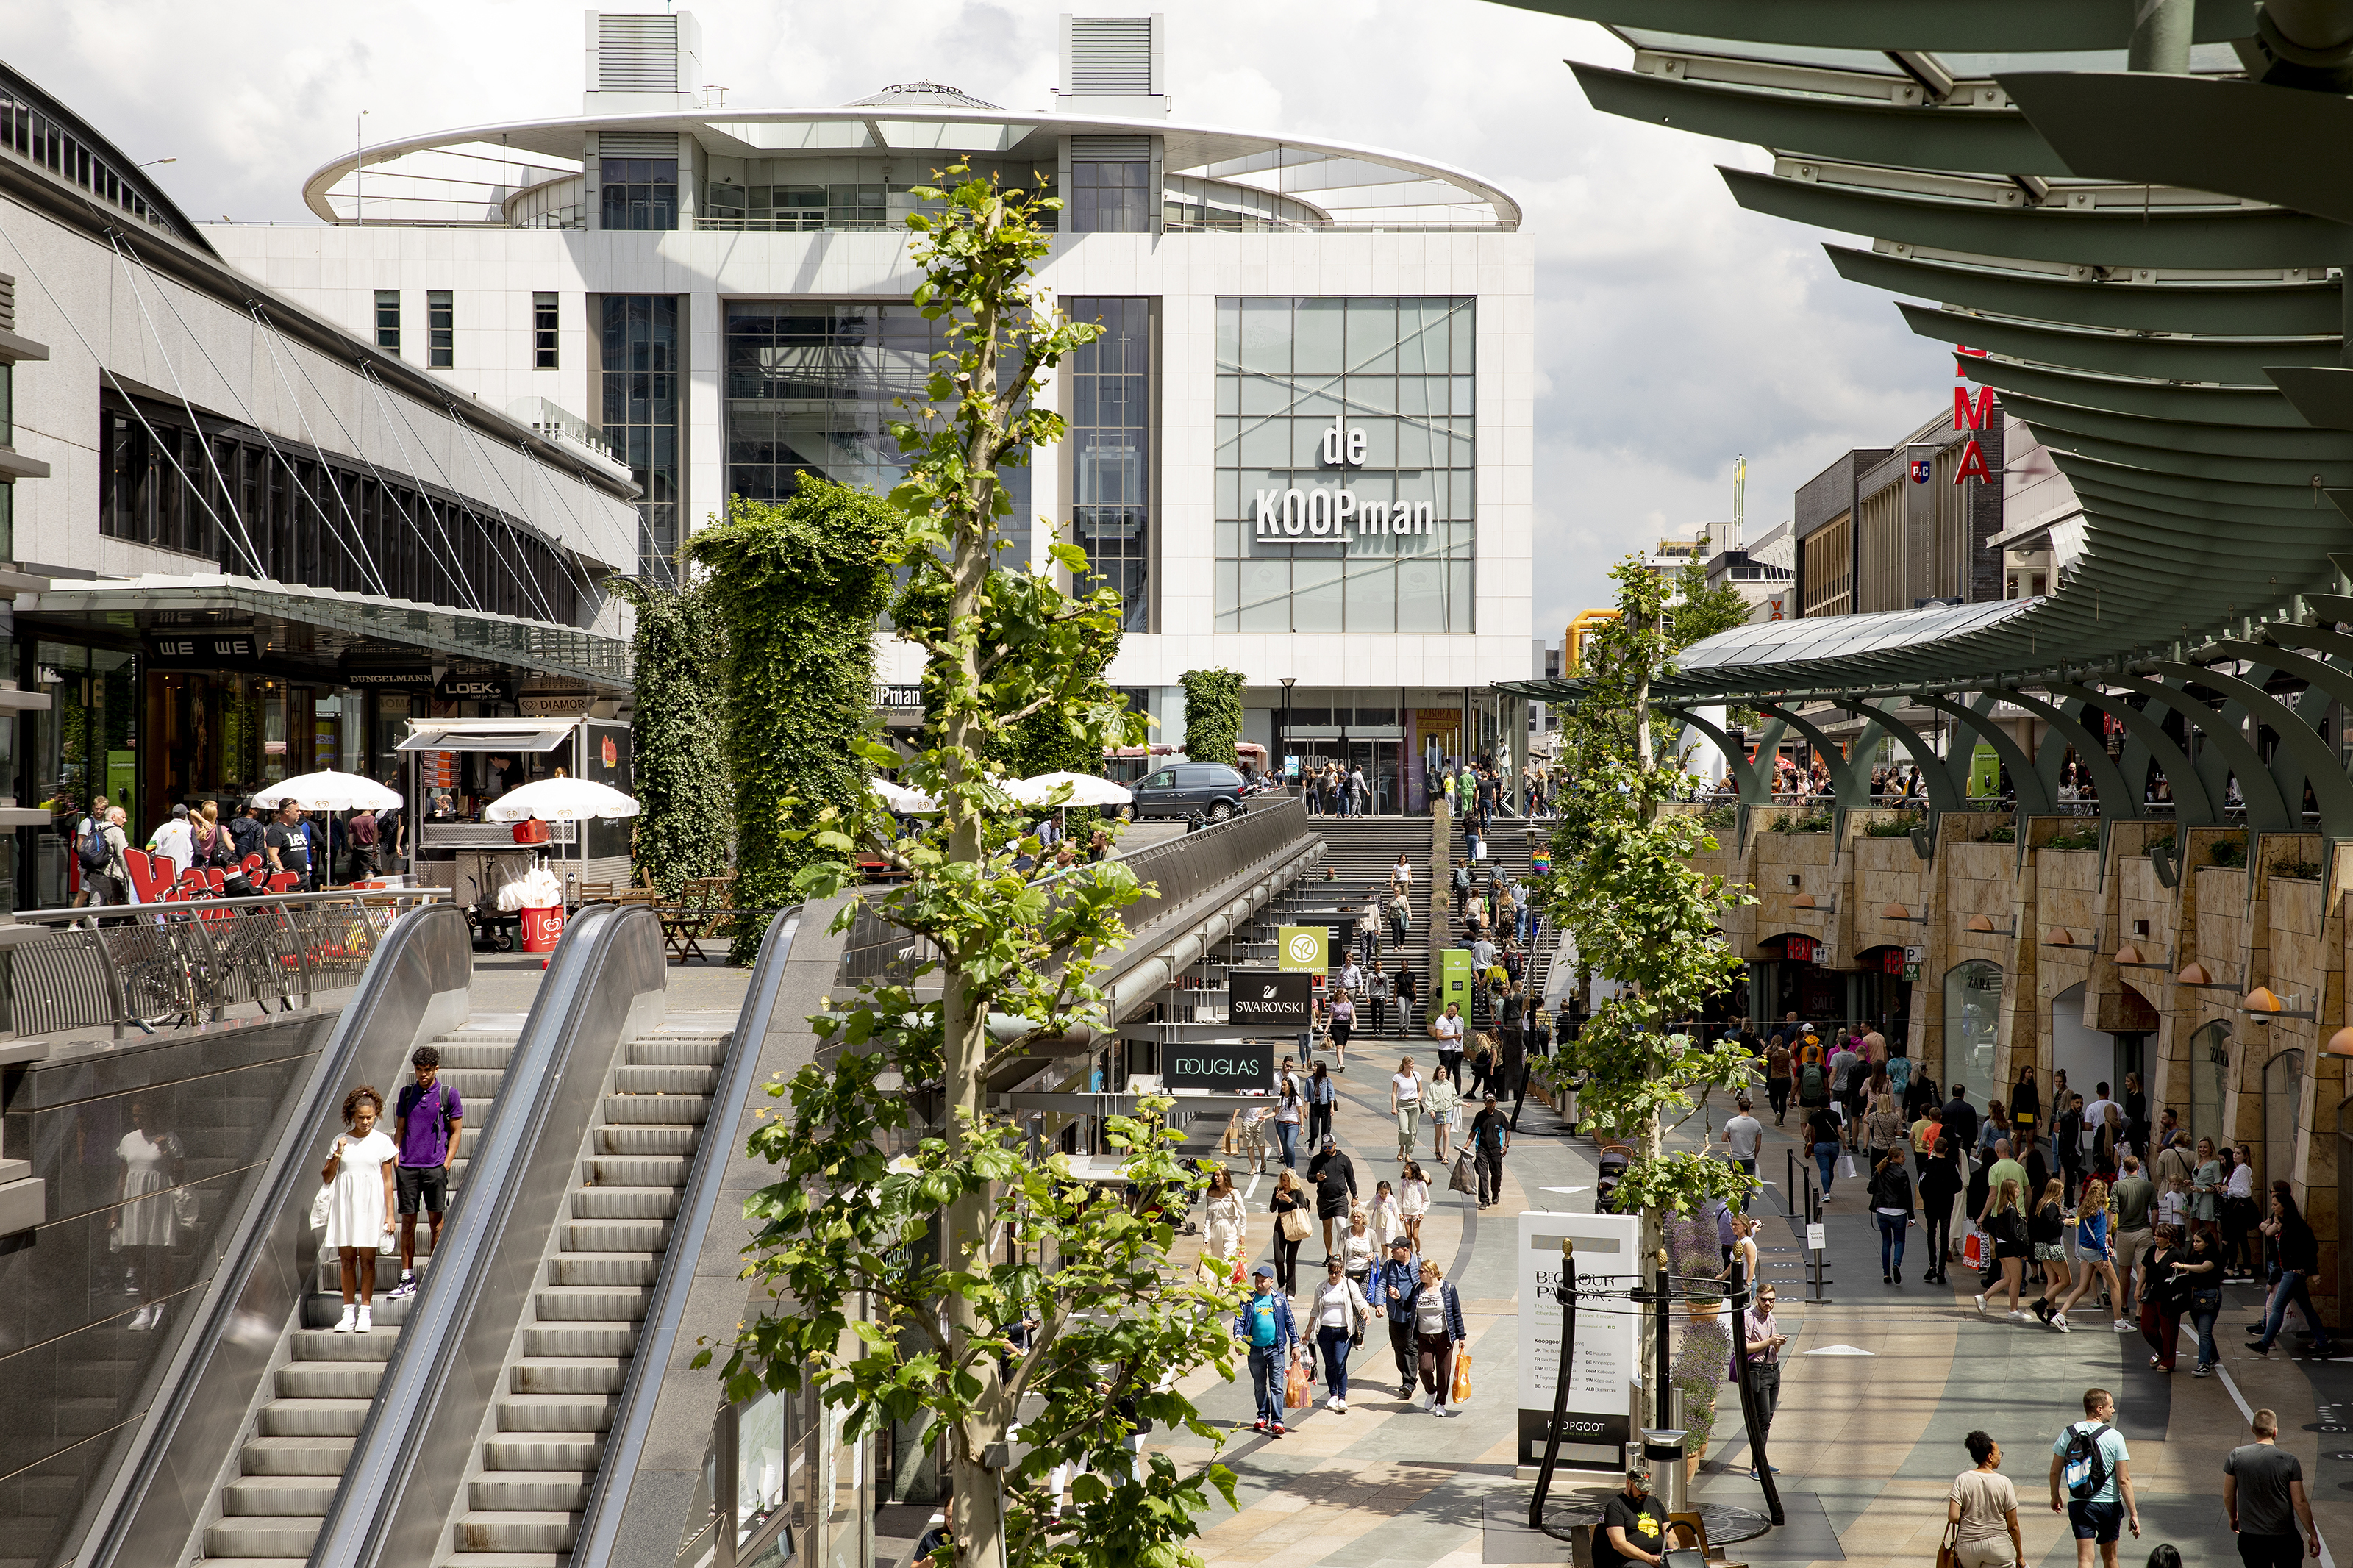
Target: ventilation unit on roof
(640, 63)
(1114, 65)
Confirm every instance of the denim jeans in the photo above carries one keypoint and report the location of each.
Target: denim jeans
(1287, 1134)
(1891, 1241)
(1826, 1162)
(1333, 1343)
(1267, 1370)
(2290, 1289)
(2205, 1306)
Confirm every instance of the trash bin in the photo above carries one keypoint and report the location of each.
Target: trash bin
(542, 927)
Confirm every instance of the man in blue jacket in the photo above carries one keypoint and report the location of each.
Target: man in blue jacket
(1264, 1325)
(1390, 1289)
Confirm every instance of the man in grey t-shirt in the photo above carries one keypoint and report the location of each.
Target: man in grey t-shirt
(2262, 1492)
(1744, 1136)
(2132, 1194)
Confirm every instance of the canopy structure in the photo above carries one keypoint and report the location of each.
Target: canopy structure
(2134, 241)
(2132, 224)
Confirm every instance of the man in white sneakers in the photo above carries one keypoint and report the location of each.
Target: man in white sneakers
(426, 1119)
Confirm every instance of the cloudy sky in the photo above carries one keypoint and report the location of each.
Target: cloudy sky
(1676, 331)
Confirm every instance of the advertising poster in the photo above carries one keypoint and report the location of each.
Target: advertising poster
(1220, 1067)
(1304, 947)
(1594, 1424)
(1454, 979)
(1279, 999)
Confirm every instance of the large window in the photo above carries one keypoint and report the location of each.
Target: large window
(640, 193)
(1972, 1018)
(221, 492)
(1346, 464)
(440, 330)
(1111, 198)
(387, 320)
(639, 369)
(543, 321)
(1111, 452)
(812, 387)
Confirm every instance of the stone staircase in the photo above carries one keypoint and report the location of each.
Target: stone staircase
(522, 1507)
(302, 1437)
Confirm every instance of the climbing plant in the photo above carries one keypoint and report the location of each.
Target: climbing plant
(908, 1257)
(1213, 714)
(685, 822)
(796, 588)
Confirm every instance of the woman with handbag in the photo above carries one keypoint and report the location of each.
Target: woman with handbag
(1339, 1313)
(2004, 1219)
(1891, 1207)
(2202, 1272)
(2164, 1291)
(2095, 1249)
(358, 1173)
(1941, 1184)
(1436, 1312)
(1981, 1513)
(1289, 1106)
(2046, 1230)
(1441, 1104)
(1289, 1207)
(2025, 1099)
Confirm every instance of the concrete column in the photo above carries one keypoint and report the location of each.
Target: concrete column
(2161, 36)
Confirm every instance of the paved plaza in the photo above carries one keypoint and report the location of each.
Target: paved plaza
(1880, 1388)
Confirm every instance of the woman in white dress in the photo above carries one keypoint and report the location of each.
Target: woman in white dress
(143, 1224)
(1413, 1202)
(1228, 1224)
(360, 1206)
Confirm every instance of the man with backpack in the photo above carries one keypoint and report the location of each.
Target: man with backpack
(428, 1118)
(2091, 1479)
(90, 849)
(105, 874)
(1813, 1075)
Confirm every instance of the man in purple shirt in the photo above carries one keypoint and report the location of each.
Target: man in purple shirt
(426, 1122)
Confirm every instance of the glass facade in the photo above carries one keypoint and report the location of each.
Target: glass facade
(1346, 464)
(1110, 451)
(812, 387)
(639, 371)
(640, 192)
(1111, 198)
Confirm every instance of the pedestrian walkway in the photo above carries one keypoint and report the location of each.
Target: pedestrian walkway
(1879, 1386)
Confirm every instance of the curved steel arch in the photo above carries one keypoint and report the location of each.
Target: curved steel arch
(2267, 811)
(1850, 785)
(2107, 779)
(2192, 807)
(1943, 794)
(1749, 777)
(2032, 796)
(2332, 792)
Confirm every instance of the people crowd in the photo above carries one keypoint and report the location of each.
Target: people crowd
(314, 849)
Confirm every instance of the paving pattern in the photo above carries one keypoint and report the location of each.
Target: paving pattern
(1868, 1444)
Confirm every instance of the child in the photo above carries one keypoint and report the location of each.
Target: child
(1388, 1220)
(1413, 1202)
(360, 1208)
(2173, 1203)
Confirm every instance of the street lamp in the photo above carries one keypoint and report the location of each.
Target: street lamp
(1283, 741)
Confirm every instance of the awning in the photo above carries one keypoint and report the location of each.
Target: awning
(479, 736)
(539, 647)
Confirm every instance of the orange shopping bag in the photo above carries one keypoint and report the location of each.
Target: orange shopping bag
(1462, 1377)
(1294, 1388)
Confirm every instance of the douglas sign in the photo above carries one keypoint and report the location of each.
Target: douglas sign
(1224, 1067)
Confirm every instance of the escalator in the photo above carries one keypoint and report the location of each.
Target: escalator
(265, 1414)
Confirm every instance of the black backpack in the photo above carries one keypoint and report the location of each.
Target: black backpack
(90, 850)
(2085, 1468)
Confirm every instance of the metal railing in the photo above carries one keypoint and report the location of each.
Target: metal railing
(147, 966)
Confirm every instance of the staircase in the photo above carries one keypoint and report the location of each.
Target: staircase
(521, 1507)
(302, 1437)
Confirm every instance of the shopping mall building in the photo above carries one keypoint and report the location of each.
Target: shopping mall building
(1300, 449)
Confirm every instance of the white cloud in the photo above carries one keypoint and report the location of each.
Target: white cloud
(1677, 329)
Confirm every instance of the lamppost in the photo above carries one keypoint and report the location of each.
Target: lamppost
(1283, 741)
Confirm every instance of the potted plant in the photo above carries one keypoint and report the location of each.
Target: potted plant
(1706, 1347)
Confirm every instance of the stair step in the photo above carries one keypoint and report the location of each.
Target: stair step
(279, 1497)
(625, 1202)
(278, 1538)
(591, 1303)
(569, 1375)
(326, 1345)
(615, 1235)
(544, 1451)
(675, 1079)
(556, 1412)
(565, 1336)
(330, 1379)
(625, 1170)
(507, 1560)
(311, 1456)
(517, 1531)
(530, 1491)
(648, 1052)
(603, 1268)
(313, 1419)
(629, 1140)
(675, 1110)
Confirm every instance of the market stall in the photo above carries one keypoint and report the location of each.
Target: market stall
(456, 769)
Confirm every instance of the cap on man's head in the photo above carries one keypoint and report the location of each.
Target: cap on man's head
(181, 812)
(1399, 1242)
(1491, 1097)
(1329, 1142)
(1263, 1271)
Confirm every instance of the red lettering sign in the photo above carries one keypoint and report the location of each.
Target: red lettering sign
(1799, 949)
(1966, 417)
(1973, 463)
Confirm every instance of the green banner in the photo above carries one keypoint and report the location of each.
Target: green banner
(1454, 979)
(1985, 771)
(1303, 947)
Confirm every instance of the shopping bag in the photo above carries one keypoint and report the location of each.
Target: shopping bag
(1295, 1225)
(1295, 1387)
(1846, 1166)
(1973, 1250)
(385, 1247)
(1461, 1393)
(319, 1207)
(1466, 1178)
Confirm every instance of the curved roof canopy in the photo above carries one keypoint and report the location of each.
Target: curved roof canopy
(2137, 261)
(467, 175)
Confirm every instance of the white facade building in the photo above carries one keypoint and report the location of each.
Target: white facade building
(719, 293)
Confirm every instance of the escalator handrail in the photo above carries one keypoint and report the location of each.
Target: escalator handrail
(435, 1361)
(633, 1417)
(288, 1184)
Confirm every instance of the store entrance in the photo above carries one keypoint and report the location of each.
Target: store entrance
(1379, 760)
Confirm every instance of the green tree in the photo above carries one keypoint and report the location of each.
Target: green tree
(797, 588)
(1699, 611)
(905, 1257)
(1213, 714)
(685, 826)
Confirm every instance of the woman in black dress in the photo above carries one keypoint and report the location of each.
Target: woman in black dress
(1941, 1184)
(2025, 1099)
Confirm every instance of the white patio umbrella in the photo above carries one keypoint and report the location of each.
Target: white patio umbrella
(330, 792)
(560, 800)
(902, 800)
(1086, 790)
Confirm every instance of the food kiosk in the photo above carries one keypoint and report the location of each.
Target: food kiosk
(455, 767)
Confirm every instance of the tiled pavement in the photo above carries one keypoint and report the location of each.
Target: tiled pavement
(1868, 1444)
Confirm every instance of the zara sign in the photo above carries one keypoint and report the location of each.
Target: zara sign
(1335, 512)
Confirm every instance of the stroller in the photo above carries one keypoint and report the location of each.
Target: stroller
(1615, 1158)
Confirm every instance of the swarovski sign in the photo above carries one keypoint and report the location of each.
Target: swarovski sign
(1335, 512)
